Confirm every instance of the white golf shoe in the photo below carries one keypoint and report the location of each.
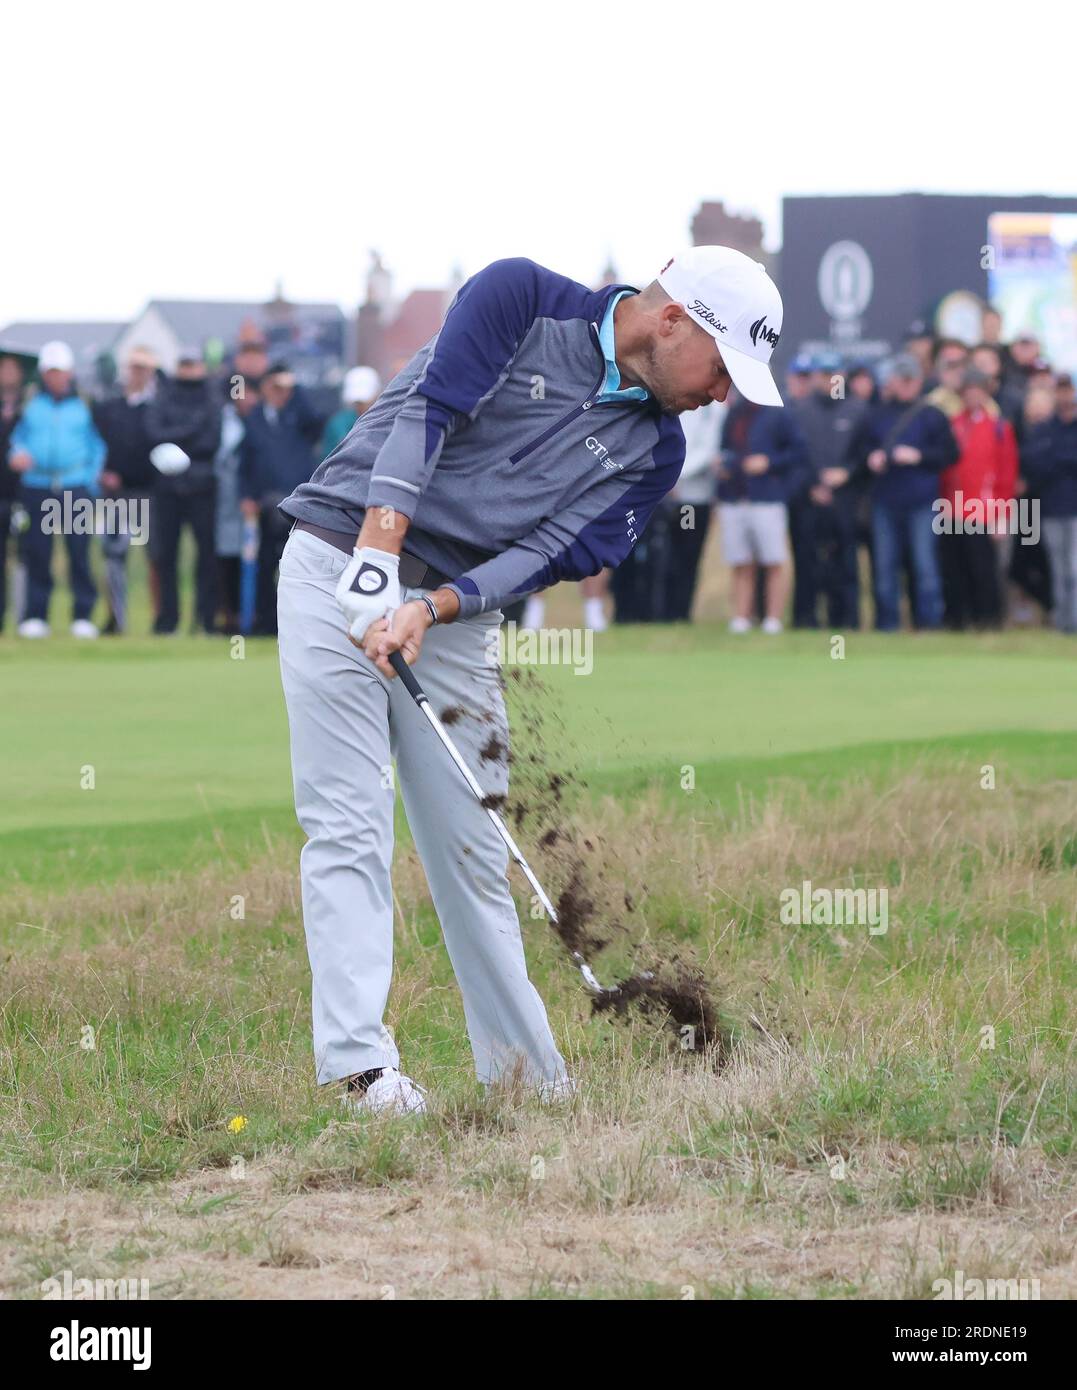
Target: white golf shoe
(555, 1092)
(34, 628)
(740, 625)
(772, 626)
(84, 629)
(390, 1093)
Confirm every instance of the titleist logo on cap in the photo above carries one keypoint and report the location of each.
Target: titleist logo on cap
(700, 309)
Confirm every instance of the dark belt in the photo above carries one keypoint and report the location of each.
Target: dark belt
(414, 574)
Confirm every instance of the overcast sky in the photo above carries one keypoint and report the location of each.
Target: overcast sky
(206, 150)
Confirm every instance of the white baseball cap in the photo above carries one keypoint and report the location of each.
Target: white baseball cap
(360, 384)
(55, 357)
(738, 304)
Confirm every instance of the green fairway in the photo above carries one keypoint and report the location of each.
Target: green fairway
(188, 755)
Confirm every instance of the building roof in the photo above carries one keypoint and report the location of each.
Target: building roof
(84, 339)
(195, 320)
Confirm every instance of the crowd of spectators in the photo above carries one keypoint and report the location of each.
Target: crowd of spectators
(940, 484)
(207, 454)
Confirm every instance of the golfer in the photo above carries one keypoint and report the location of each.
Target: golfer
(528, 442)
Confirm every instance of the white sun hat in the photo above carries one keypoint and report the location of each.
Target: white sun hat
(734, 299)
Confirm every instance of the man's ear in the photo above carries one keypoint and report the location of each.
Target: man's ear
(670, 315)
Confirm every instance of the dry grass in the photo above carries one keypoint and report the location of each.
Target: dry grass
(863, 1140)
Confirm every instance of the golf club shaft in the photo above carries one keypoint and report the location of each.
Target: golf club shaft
(418, 694)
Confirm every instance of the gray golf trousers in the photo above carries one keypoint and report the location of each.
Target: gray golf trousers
(348, 723)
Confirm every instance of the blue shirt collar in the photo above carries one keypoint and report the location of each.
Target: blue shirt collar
(611, 387)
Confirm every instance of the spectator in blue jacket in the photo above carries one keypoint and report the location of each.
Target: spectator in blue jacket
(1049, 457)
(904, 443)
(59, 454)
(277, 455)
(764, 463)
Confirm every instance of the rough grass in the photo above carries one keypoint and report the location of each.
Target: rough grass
(870, 1132)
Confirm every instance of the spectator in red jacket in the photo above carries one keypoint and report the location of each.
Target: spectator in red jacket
(976, 521)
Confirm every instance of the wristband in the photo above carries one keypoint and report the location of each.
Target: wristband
(434, 619)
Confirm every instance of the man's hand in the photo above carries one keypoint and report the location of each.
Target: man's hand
(403, 632)
(21, 461)
(250, 509)
(905, 453)
(368, 589)
(834, 477)
(821, 495)
(111, 481)
(755, 464)
(877, 460)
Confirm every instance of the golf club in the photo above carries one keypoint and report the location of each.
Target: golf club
(415, 690)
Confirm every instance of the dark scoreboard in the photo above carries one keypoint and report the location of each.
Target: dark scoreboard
(856, 271)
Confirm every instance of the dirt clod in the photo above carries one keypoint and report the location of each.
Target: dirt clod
(493, 750)
(679, 992)
(575, 908)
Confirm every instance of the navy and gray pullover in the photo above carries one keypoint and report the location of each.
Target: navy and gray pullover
(498, 441)
(762, 429)
(1049, 458)
(904, 487)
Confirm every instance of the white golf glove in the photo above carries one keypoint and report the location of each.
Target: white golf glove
(368, 589)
